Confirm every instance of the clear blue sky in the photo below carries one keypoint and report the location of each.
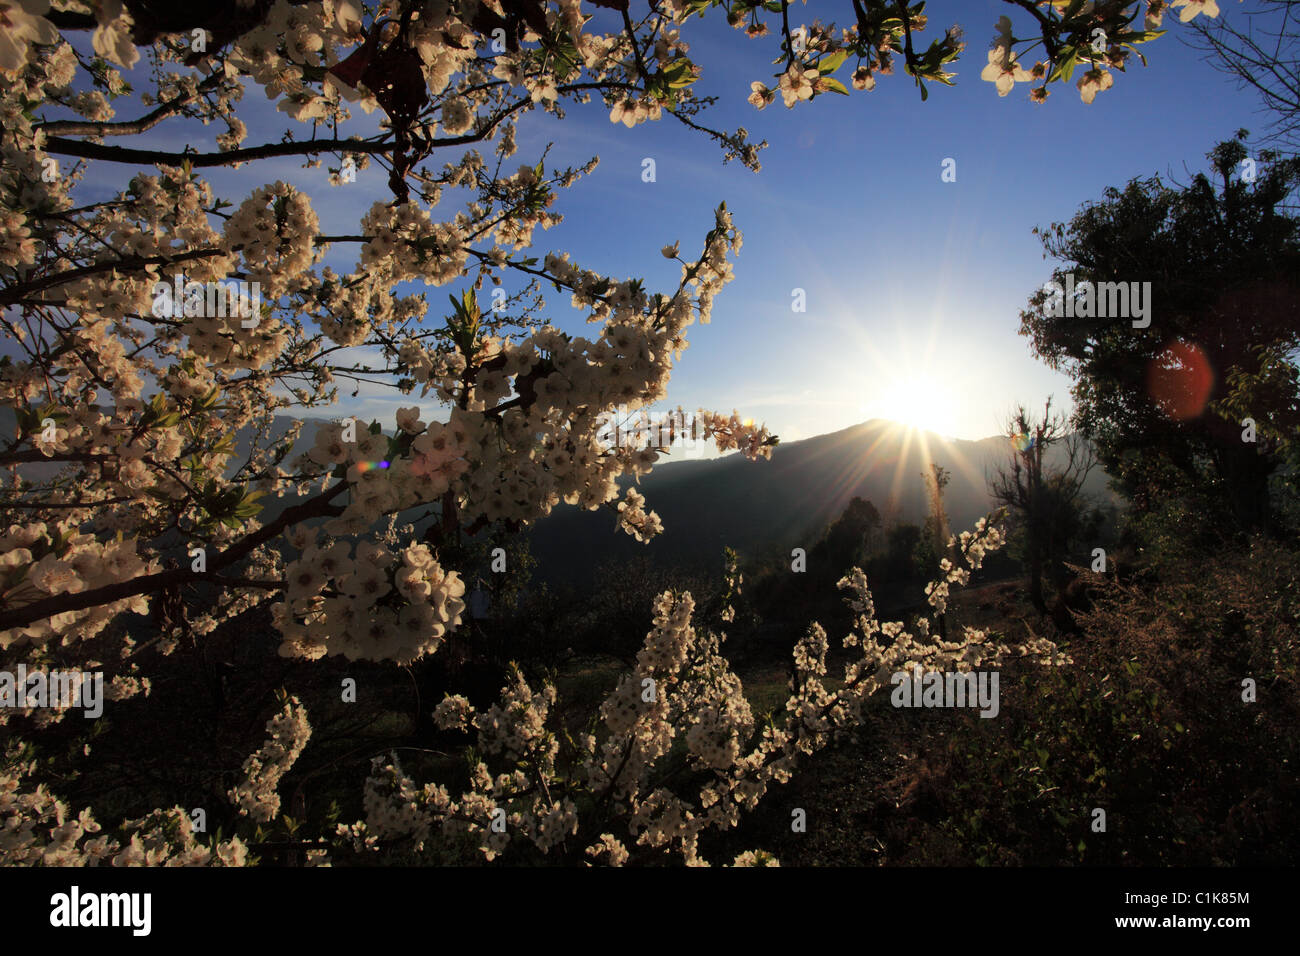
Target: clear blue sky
(913, 285)
(910, 281)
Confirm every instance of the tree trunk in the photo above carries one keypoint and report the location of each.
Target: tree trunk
(1036, 580)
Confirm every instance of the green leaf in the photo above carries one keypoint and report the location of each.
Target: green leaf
(1064, 67)
(834, 85)
(829, 64)
(678, 73)
(249, 507)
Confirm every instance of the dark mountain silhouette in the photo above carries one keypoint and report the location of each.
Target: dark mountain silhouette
(760, 508)
(766, 508)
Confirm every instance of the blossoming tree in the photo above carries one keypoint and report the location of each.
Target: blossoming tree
(129, 377)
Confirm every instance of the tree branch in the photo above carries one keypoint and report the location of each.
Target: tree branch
(61, 603)
(157, 157)
(129, 127)
(19, 292)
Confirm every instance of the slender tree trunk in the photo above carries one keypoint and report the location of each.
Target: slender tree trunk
(1036, 579)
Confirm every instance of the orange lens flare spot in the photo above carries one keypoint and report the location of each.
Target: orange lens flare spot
(1179, 381)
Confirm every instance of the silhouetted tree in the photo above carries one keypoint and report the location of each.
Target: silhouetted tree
(848, 541)
(1046, 503)
(933, 546)
(1162, 403)
(899, 561)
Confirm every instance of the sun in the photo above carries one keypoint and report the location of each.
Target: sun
(910, 371)
(918, 401)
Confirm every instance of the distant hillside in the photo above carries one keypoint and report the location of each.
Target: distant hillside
(755, 507)
(782, 503)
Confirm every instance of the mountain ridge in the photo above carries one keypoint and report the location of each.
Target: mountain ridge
(760, 508)
(764, 508)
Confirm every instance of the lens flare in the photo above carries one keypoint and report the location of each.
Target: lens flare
(1179, 381)
(1023, 442)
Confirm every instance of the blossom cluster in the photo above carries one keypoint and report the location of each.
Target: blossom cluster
(524, 408)
(635, 520)
(681, 690)
(40, 560)
(38, 829)
(814, 53)
(144, 438)
(973, 547)
(287, 734)
(369, 604)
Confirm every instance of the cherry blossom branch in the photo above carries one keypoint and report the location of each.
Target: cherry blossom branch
(129, 127)
(17, 293)
(60, 603)
(154, 157)
(157, 157)
(35, 455)
(636, 47)
(907, 35)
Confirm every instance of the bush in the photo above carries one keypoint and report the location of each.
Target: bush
(1149, 725)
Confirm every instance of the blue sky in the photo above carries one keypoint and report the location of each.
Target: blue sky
(913, 285)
